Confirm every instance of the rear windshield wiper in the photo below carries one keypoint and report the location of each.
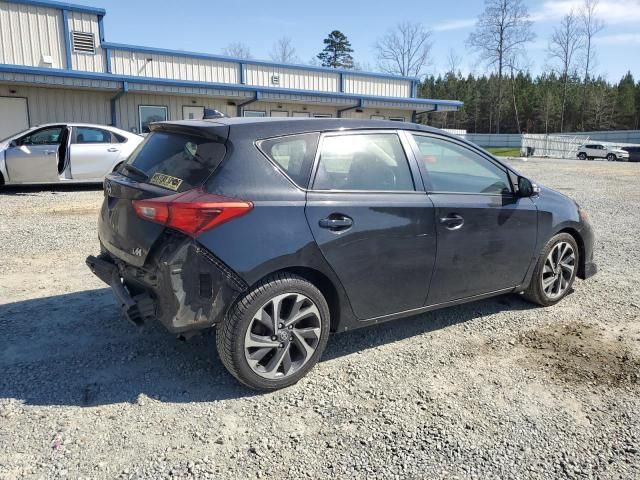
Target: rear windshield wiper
(136, 170)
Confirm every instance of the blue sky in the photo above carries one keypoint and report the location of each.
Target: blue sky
(208, 26)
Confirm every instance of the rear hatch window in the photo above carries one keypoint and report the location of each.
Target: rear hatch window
(175, 161)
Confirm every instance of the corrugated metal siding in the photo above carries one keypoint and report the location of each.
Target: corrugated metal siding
(29, 32)
(88, 23)
(124, 62)
(386, 113)
(47, 105)
(261, 75)
(383, 87)
(291, 107)
(127, 107)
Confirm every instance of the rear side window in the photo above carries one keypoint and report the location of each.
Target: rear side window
(294, 154)
(373, 162)
(92, 135)
(175, 161)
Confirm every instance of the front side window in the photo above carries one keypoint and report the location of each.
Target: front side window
(374, 162)
(150, 114)
(452, 168)
(92, 135)
(46, 136)
(294, 154)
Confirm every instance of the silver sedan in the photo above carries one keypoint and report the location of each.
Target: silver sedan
(64, 153)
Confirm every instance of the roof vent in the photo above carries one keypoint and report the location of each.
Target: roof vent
(83, 42)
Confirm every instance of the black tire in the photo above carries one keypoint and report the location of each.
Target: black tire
(582, 156)
(230, 334)
(611, 157)
(535, 292)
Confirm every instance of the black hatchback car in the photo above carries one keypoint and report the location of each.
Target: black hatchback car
(280, 231)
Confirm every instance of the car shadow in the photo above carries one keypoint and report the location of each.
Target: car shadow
(75, 349)
(32, 190)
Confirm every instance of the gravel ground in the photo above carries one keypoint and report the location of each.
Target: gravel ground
(494, 389)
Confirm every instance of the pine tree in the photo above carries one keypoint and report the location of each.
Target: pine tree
(337, 51)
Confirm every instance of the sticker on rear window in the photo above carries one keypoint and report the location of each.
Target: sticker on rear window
(166, 181)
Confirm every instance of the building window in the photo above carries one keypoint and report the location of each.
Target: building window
(254, 113)
(396, 119)
(322, 115)
(301, 114)
(149, 114)
(279, 113)
(83, 42)
(377, 117)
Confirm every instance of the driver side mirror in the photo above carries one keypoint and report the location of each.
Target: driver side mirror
(13, 144)
(526, 188)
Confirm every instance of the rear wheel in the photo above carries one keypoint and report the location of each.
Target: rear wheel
(555, 271)
(582, 156)
(275, 334)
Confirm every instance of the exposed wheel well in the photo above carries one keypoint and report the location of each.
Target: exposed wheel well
(578, 238)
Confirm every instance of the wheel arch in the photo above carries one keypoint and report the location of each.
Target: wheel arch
(581, 249)
(322, 283)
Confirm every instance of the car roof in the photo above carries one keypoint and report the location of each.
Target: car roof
(260, 127)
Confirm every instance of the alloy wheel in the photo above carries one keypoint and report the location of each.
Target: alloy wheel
(282, 336)
(558, 270)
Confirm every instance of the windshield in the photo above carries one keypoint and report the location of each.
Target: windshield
(14, 135)
(175, 161)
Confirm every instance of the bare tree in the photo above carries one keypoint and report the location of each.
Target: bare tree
(591, 26)
(564, 45)
(237, 50)
(453, 59)
(500, 34)
(283, 51)
(404, 50)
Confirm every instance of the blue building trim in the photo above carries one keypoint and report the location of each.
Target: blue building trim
(341, 82)
(67, 39)
(243, 72)
(101, 28)
(414, 89)
(224, 58)
(62, 6)
(219, 86)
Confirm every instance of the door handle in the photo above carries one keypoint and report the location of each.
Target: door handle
(336, 222)
(112, 150)
(452, 222)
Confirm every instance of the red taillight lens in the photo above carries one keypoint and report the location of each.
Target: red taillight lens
(191, 212)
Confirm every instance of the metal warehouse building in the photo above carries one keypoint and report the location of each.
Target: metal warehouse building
(56, 66)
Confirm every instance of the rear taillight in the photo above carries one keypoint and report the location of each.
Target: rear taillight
(191, 212)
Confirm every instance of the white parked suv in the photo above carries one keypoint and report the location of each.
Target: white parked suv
(598, 150)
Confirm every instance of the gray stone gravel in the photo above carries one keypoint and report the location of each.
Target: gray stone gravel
(494, 389)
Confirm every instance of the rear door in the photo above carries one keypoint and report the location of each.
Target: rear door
(170, 160)
(372, 222)
(486, 233)
(33, 157)
(92, 153)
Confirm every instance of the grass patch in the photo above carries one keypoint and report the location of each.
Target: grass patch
(504, 152)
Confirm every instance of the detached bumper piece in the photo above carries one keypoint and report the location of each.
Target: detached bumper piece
(137, 309)
(182, 285)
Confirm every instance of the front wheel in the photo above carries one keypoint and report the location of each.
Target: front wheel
(555, 271)
(611, 157)
(582, 156)
(275, 334)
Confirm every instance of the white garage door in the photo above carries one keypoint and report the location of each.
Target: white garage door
(13, 116)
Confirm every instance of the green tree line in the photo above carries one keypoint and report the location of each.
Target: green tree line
(534, 104)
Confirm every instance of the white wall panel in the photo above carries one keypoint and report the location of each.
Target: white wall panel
(27, 33)
(88, 23)
(174, 67)
(47, 105)
(383, 87)
(262, 75)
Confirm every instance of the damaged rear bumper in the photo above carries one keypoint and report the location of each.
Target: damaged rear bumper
(182, 285)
